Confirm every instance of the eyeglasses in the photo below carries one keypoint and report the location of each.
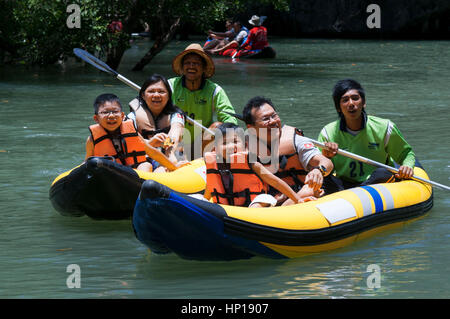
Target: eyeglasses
(266, 119)
(106, 113)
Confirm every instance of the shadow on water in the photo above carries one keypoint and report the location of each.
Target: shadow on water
(171, 266)
(85, 226)
(303, 277)
(342, 273)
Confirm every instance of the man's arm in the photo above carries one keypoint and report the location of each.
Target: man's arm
(399, 149)
(225, 46)
(221, 35)
(223, 105)
(315, 176)
(274, 181)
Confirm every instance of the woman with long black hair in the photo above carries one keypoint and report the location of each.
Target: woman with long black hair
(156, 117)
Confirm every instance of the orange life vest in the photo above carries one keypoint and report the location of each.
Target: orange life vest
(290, 169)
(145, 122)
(131, 151)
(234, 183)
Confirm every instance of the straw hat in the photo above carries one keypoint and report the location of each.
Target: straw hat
(196, 48)
(257, 21)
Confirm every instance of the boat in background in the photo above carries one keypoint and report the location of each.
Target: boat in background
(265, 53)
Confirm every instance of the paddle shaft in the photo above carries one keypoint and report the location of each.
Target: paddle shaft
(377, 164)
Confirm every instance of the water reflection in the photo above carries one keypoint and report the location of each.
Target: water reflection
(339, 274)
(344, 273)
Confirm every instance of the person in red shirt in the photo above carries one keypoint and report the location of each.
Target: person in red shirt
(257, 38)
(115, 27)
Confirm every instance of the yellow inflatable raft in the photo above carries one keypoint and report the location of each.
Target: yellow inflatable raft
(168, 221)
(104, 189)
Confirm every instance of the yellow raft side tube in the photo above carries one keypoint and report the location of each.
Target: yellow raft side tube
(62, 175)
(187, 179)
(336, 209)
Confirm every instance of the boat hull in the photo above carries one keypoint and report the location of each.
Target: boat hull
(103, 189)
(168, 221)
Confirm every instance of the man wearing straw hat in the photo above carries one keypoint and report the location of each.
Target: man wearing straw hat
(194, 93)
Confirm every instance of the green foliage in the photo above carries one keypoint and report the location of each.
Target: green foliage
(203, 13)
(42, 36)
(35, 31)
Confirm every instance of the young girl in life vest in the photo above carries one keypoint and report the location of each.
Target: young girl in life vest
(116, 137)
(232, 180)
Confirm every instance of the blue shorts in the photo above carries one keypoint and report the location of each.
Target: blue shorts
(155, 164)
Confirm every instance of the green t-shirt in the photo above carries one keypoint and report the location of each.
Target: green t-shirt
(380, 140)
(201, 105)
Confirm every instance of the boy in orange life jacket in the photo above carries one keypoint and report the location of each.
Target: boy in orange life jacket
(232, 180)
(112, 136)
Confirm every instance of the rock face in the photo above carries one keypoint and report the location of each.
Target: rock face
(343, 18)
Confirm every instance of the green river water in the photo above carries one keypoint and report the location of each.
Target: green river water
(45, 115)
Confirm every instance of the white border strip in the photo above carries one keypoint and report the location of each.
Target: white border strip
(365, 200)
(388, 199)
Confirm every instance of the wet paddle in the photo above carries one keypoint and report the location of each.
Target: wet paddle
(102, 66)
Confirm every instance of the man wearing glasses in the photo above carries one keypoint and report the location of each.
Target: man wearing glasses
(300, 164)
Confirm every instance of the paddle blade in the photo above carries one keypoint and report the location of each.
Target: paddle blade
(89, 58)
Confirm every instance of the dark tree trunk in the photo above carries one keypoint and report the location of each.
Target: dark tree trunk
(8, 47)
(115, 54)
(160, 42)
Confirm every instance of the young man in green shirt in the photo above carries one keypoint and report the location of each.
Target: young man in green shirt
(194, 93)
(366, 135)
